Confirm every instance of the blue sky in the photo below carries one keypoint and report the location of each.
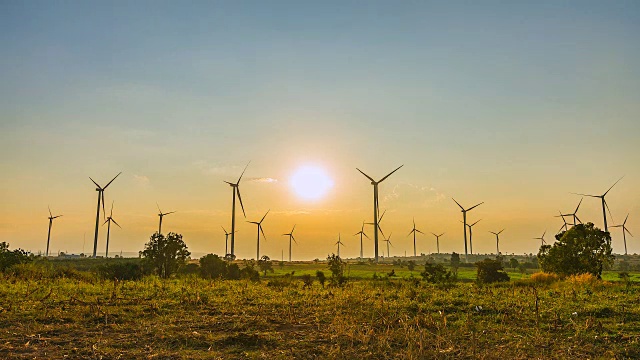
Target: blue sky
(480, 99)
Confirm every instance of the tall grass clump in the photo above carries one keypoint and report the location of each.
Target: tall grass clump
(544, 278)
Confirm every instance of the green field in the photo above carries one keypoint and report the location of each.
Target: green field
(402, 317)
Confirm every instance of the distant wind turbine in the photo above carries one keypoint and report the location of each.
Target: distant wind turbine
(497, 234)
(471, 236)
(604, 203)
(51, 217)
(464, 222)
(437, 241)
(388, 241)
(541, 238)
(563, 220)
(574, 214)
(100, 191)
(414, 231)
(291, 237)
(226, 240)
(236, 190)
(378, 224)
(361, 233)
(109, 220)
(339, 242)
(260, 230)
(161, 215)
(375, 206)
(624, 232)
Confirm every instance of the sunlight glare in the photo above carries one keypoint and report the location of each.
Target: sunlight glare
(310, 182)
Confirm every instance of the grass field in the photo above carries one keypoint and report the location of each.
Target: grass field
(277, 318)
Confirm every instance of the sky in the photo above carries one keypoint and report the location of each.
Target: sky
(516, 104)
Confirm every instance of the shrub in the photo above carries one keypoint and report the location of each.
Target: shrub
(121, 271)
(411, 265)
(583, 279)
(455, 262)
(321, 277)
(213, 267)
(491, 271)
(10, 258)
(307, 280)
(544, 278)
(249, 271)
(336, 266)
(437, 274)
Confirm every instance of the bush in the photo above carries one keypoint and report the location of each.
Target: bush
(437, 274)
(307, 280)
(10, 258)
(583, 279)
(321, 277)
(213, 267)
(491, 271)
(121, 271)
(411, 265)
(544, 278)
(249, 271)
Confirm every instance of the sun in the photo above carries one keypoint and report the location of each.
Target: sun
(310, 182)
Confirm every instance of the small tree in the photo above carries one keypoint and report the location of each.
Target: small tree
(411, 265)
(455, 262)
(165, 255)
(437, 274)
(321, 277)
(265, 264)
(490, 271)
(513, 263)
(583, 249)
(336, 266)
(212, 266)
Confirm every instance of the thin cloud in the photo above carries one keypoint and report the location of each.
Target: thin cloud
(426, 195)
(215, 169)
(262, 179)
(141, 180)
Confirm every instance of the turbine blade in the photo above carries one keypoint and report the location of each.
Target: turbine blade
(368, 177)
(116, 223)
(381, 232)
(294, 239)
(57, 216)
(578, 207)
(104, 213)
(358, 233)
(265, 215)
(294, 227)
(625, 219)
(471, 208)
(614, 184)
(414, 223)
(223, 229)
(95, 182)
(262, 231)
(381, 216)
(476, 222)
(111, 214)
(609, 210)
(106, 221)
(384, 178)
(595, 196)
(627, 230)
(160, 211)
(365, 235)
(171, 212)
(501, 231)
(420, 231)
(230, 183)
(434, 235)
(458, 203)
(410, 232)
(245, 169)
(240, 198)
(441, 234)
(50, 214)
(109, 183)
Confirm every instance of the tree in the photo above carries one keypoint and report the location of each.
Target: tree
(490, 271)
(265, 264)
(165, 255)
(8, 258)
(455, 262)
(583, 249)
(513, 263)
(336, 266)
(411, 265)
(437, 274)
(321, 277)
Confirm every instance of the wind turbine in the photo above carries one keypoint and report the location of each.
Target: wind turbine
(563, 220)
(375, 206)
(464, 222)
(339, 242)
(541, 238)
(226, 240)
(361, 233)
(388, 241)
(291, 237)
(259, 223)
(576, 219)
(437, 241)
(497, 241)
(161, 215)
(236, 189)
(624, 231)
(51, 217)
(109, 220)
(100, 191)
(471, 236)
(378, 224)
(414, 231)
(604, 203)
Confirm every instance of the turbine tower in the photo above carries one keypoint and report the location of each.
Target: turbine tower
(437, 241)
(291, 237)
(375, 206)
(51, 217)
(339, 242)
(236, 190)
(100, 191)
(471, 236)
(624, 232)
(604, 203)
(541, 238)
(161, 215)
(414, 231)
(259, 223)
(464, 222)
(361, 233)
(109, 220)
(497, 234)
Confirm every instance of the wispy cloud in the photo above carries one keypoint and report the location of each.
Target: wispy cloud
(217, 169)
(141, 180)
(263, 179)
(424, 196)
